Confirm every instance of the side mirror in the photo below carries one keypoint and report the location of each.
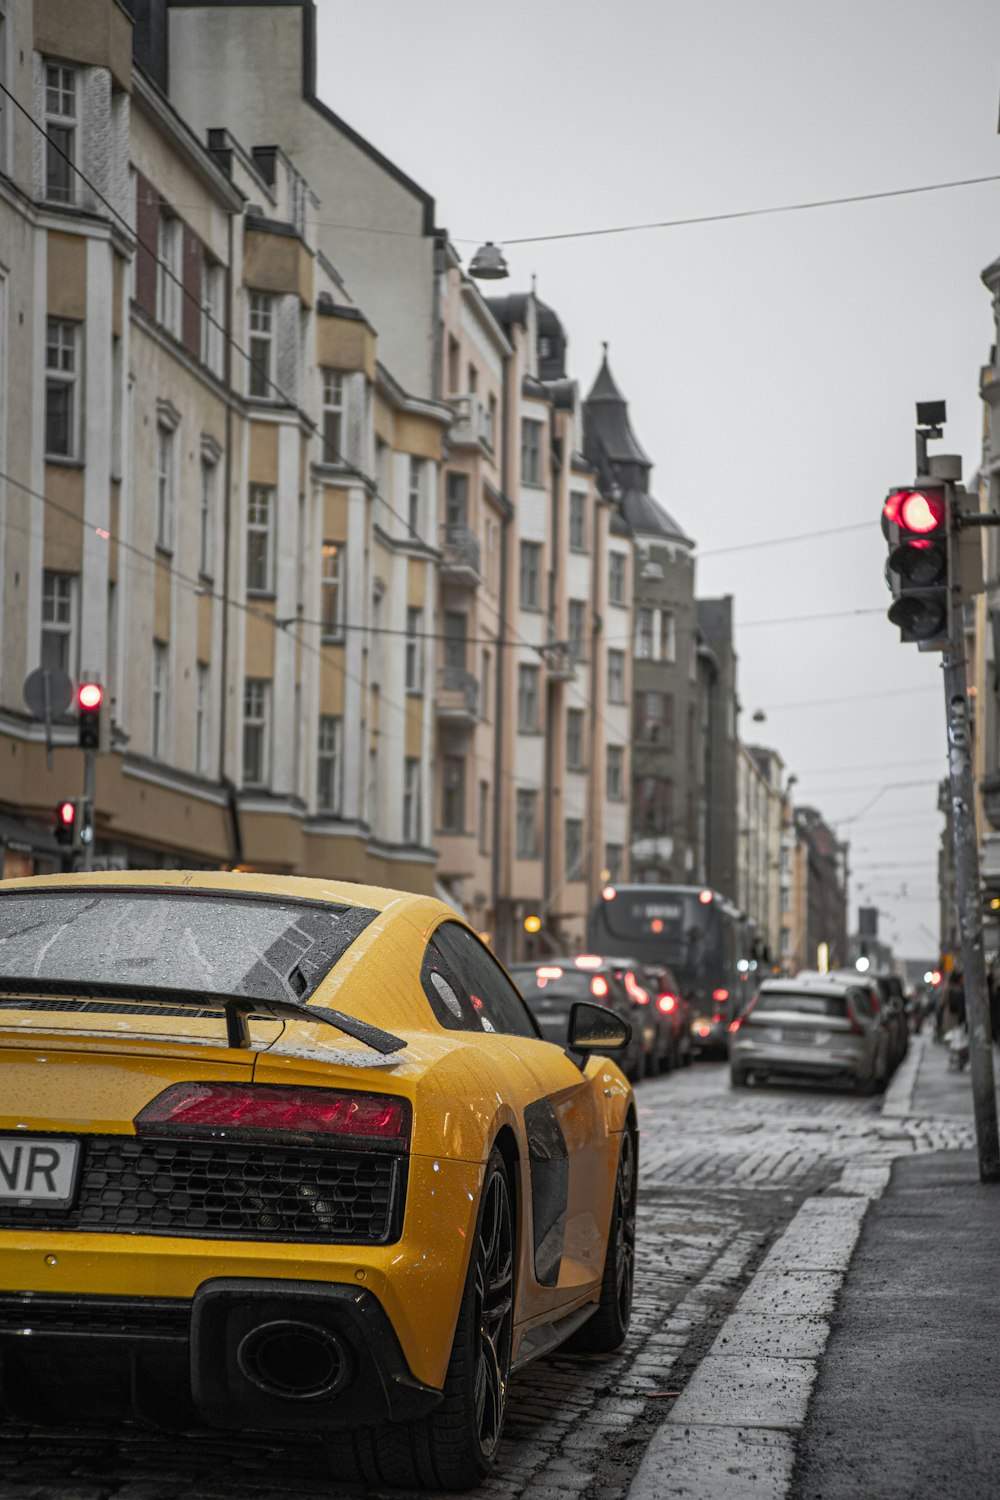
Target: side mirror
(595, 1030)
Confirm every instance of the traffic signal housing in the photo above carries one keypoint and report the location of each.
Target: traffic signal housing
(89, 697)
(917, 524)
(65, 826)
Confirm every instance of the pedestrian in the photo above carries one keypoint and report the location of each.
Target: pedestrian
(956, 997)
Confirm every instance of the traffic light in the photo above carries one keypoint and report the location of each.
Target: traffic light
(65, 829)
(89, 697)
(917, 524)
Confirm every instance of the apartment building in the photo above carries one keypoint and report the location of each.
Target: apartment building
(223, 502)
(760, 814)
(566, 737)
(663, 695)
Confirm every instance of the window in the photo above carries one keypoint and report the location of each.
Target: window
(169, 245)
(473, 380)
(644, 634)
(456, 499)
(527, 700)
(414, 651)
(206, 539)
(261, 344)
(415, 491)
(332, 591)
(202, 711)
(467, 989)
(256, 706)
(164, 487)
(531, 451)
(62, 407)
(454, 641)
(329, 764)
(616, 676)
(577, 522)
(652, 806)
(454, 364)
(212, 283)
(411, 801)
(59, 622)
(668, 637)
(260, 539)
(616, 577)
(161, 705)
(616, 773)
(453, 794)
(531, 575)
(577, 629)
(574, 849)
(654, 719)
(60, 127)
(484, 817)
(333, 416)
(574, 739)
(613, 861)
(527, 829)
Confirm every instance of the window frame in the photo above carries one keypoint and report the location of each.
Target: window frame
(68, 124)
(578, 521)
(207, 512)
(166, 485)
(573, 868)
(576, 718)
(332, 585)
(415, 497)
(532, 473)
(258, 723)
(257, 494)
(529, 578)
(160, 700)
(414, 663)
(412, 801)
(333, 407)
(617, 578)
(448, 791)
(202, 716)
(66, 378)
(330, 764)
(576, 614)
(260, 337)
(616, 675)
(526, 803)
(66, 630)
(528, 697)
(614, 786)
(169, 271)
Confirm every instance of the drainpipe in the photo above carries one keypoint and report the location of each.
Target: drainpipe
(597, 626)
(496, 864)
(236, 851)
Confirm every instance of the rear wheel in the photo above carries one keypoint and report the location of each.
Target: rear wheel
(607, 1328)
(454, 1448)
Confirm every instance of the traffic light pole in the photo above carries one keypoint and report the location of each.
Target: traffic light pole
(970, 919)
(87, 811)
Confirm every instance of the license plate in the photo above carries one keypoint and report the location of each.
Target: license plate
(35, 1172)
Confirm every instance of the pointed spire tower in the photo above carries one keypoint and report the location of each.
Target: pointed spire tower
(620, 459)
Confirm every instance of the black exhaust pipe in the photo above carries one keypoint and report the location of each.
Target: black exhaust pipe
(294, 1361)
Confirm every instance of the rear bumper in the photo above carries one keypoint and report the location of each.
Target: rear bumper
(800, 1062)
(216, 1359)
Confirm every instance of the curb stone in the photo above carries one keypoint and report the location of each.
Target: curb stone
(731, 1434)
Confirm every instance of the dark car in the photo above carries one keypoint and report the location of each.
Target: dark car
(640, 986)
(553, 985)
(675, 1009)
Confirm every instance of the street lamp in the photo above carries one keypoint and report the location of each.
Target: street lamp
(488, 263)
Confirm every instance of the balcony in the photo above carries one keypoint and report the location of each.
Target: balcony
(457, 697)
(460, 555)
(473, 424)
(560, 662)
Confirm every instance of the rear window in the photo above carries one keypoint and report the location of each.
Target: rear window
(803, 1003)
(224, 945)
(543, 993)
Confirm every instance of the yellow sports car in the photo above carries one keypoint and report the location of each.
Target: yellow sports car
(292, 1155)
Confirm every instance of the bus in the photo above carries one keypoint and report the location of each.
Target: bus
(694, 931)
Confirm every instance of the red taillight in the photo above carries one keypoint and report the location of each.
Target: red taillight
(635, 989)
(599, 986)
(667, 1003)
(720, 996)
(856, 1026)
(236, 1110)
(735, 1025)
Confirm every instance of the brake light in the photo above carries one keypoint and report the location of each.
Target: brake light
(548, 971)
(588, 961)
(599, 986)
(252, 1110)
(609, 893)
(735, 1025)
(720, 996)
(667, 1003)
(635, 989)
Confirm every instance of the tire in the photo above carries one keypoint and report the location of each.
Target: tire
(606, 1330)
(454, 1447)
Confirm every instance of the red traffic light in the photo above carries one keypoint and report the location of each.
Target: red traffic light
(66, 814)
(919, 511)
(90, 695)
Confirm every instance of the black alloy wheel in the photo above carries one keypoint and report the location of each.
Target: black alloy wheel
(607, 1328)
(494, 1311)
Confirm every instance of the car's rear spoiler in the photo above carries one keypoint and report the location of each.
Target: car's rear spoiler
(235, 1007)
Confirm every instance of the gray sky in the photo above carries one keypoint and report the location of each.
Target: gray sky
(772, 365)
